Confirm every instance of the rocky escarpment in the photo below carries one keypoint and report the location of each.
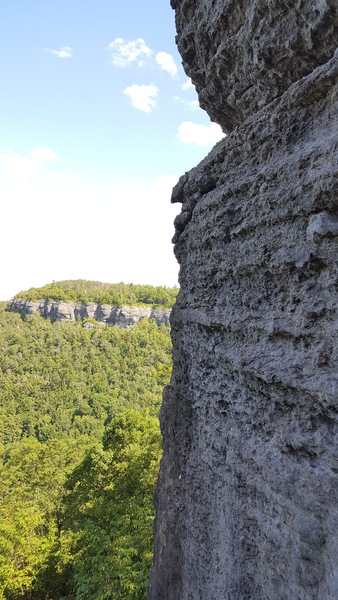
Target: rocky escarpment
(123, 316)
(247, 499)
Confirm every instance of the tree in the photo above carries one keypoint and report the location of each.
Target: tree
(32, 477)
(110, 511)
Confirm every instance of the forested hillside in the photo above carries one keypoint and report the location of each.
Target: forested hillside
(80, 448)
(117, 294)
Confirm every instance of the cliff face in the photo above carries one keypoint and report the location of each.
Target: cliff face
(247, 501)
(123, 316)
(241, 54)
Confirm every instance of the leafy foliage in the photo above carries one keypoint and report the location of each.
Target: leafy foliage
(32, 478)
(110, 510)
(117, 294)
(62, 379)
(79, 455)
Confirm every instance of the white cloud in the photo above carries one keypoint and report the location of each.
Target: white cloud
(167, 63)
(189, 105)
(142, 96)
(61, 227)
(64, 52)
(43, 153)
(22, 169)
(123, 53)
(193, 105)
(187, 85)
(192, 133)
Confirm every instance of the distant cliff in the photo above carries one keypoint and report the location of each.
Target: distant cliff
(123, 316)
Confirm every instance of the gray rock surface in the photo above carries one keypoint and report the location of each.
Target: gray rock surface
(241, 54)
(247, 498)
(123, 316)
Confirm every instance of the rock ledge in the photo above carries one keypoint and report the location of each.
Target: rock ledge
(123, 316)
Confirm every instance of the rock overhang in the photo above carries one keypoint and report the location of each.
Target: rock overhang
(242, 54)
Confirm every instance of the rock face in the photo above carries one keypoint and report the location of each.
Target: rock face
(123, 316)
(241, 54)
(247, 498)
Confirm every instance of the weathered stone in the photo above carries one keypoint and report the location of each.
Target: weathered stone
(241, 54)
(321, 225)
(247, 498)
(123, 316)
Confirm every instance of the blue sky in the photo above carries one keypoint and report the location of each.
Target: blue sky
(97, 122)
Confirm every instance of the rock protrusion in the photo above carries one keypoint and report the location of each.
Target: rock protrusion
(247, 497)
(242, 54)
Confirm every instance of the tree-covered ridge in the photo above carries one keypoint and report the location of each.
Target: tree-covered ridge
(63, 380)
(116, 294)
(79, 454)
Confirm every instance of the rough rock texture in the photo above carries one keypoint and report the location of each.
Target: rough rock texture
(241, 54)
(123, 316)
(247, 498)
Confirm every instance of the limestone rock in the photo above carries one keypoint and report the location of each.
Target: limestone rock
(123, 316)
(247, 498)
(321, 225)
(241, 54)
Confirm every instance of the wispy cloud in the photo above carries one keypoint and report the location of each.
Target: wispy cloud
(142, 96)
(43, 153)
(124, 53)
(63, 52)
(187, 85)
(167, 63)
(188, 104)
(202, 135)
(29, 168)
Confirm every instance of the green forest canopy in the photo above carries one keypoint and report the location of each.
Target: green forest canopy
(116, 294)
(79, 454)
